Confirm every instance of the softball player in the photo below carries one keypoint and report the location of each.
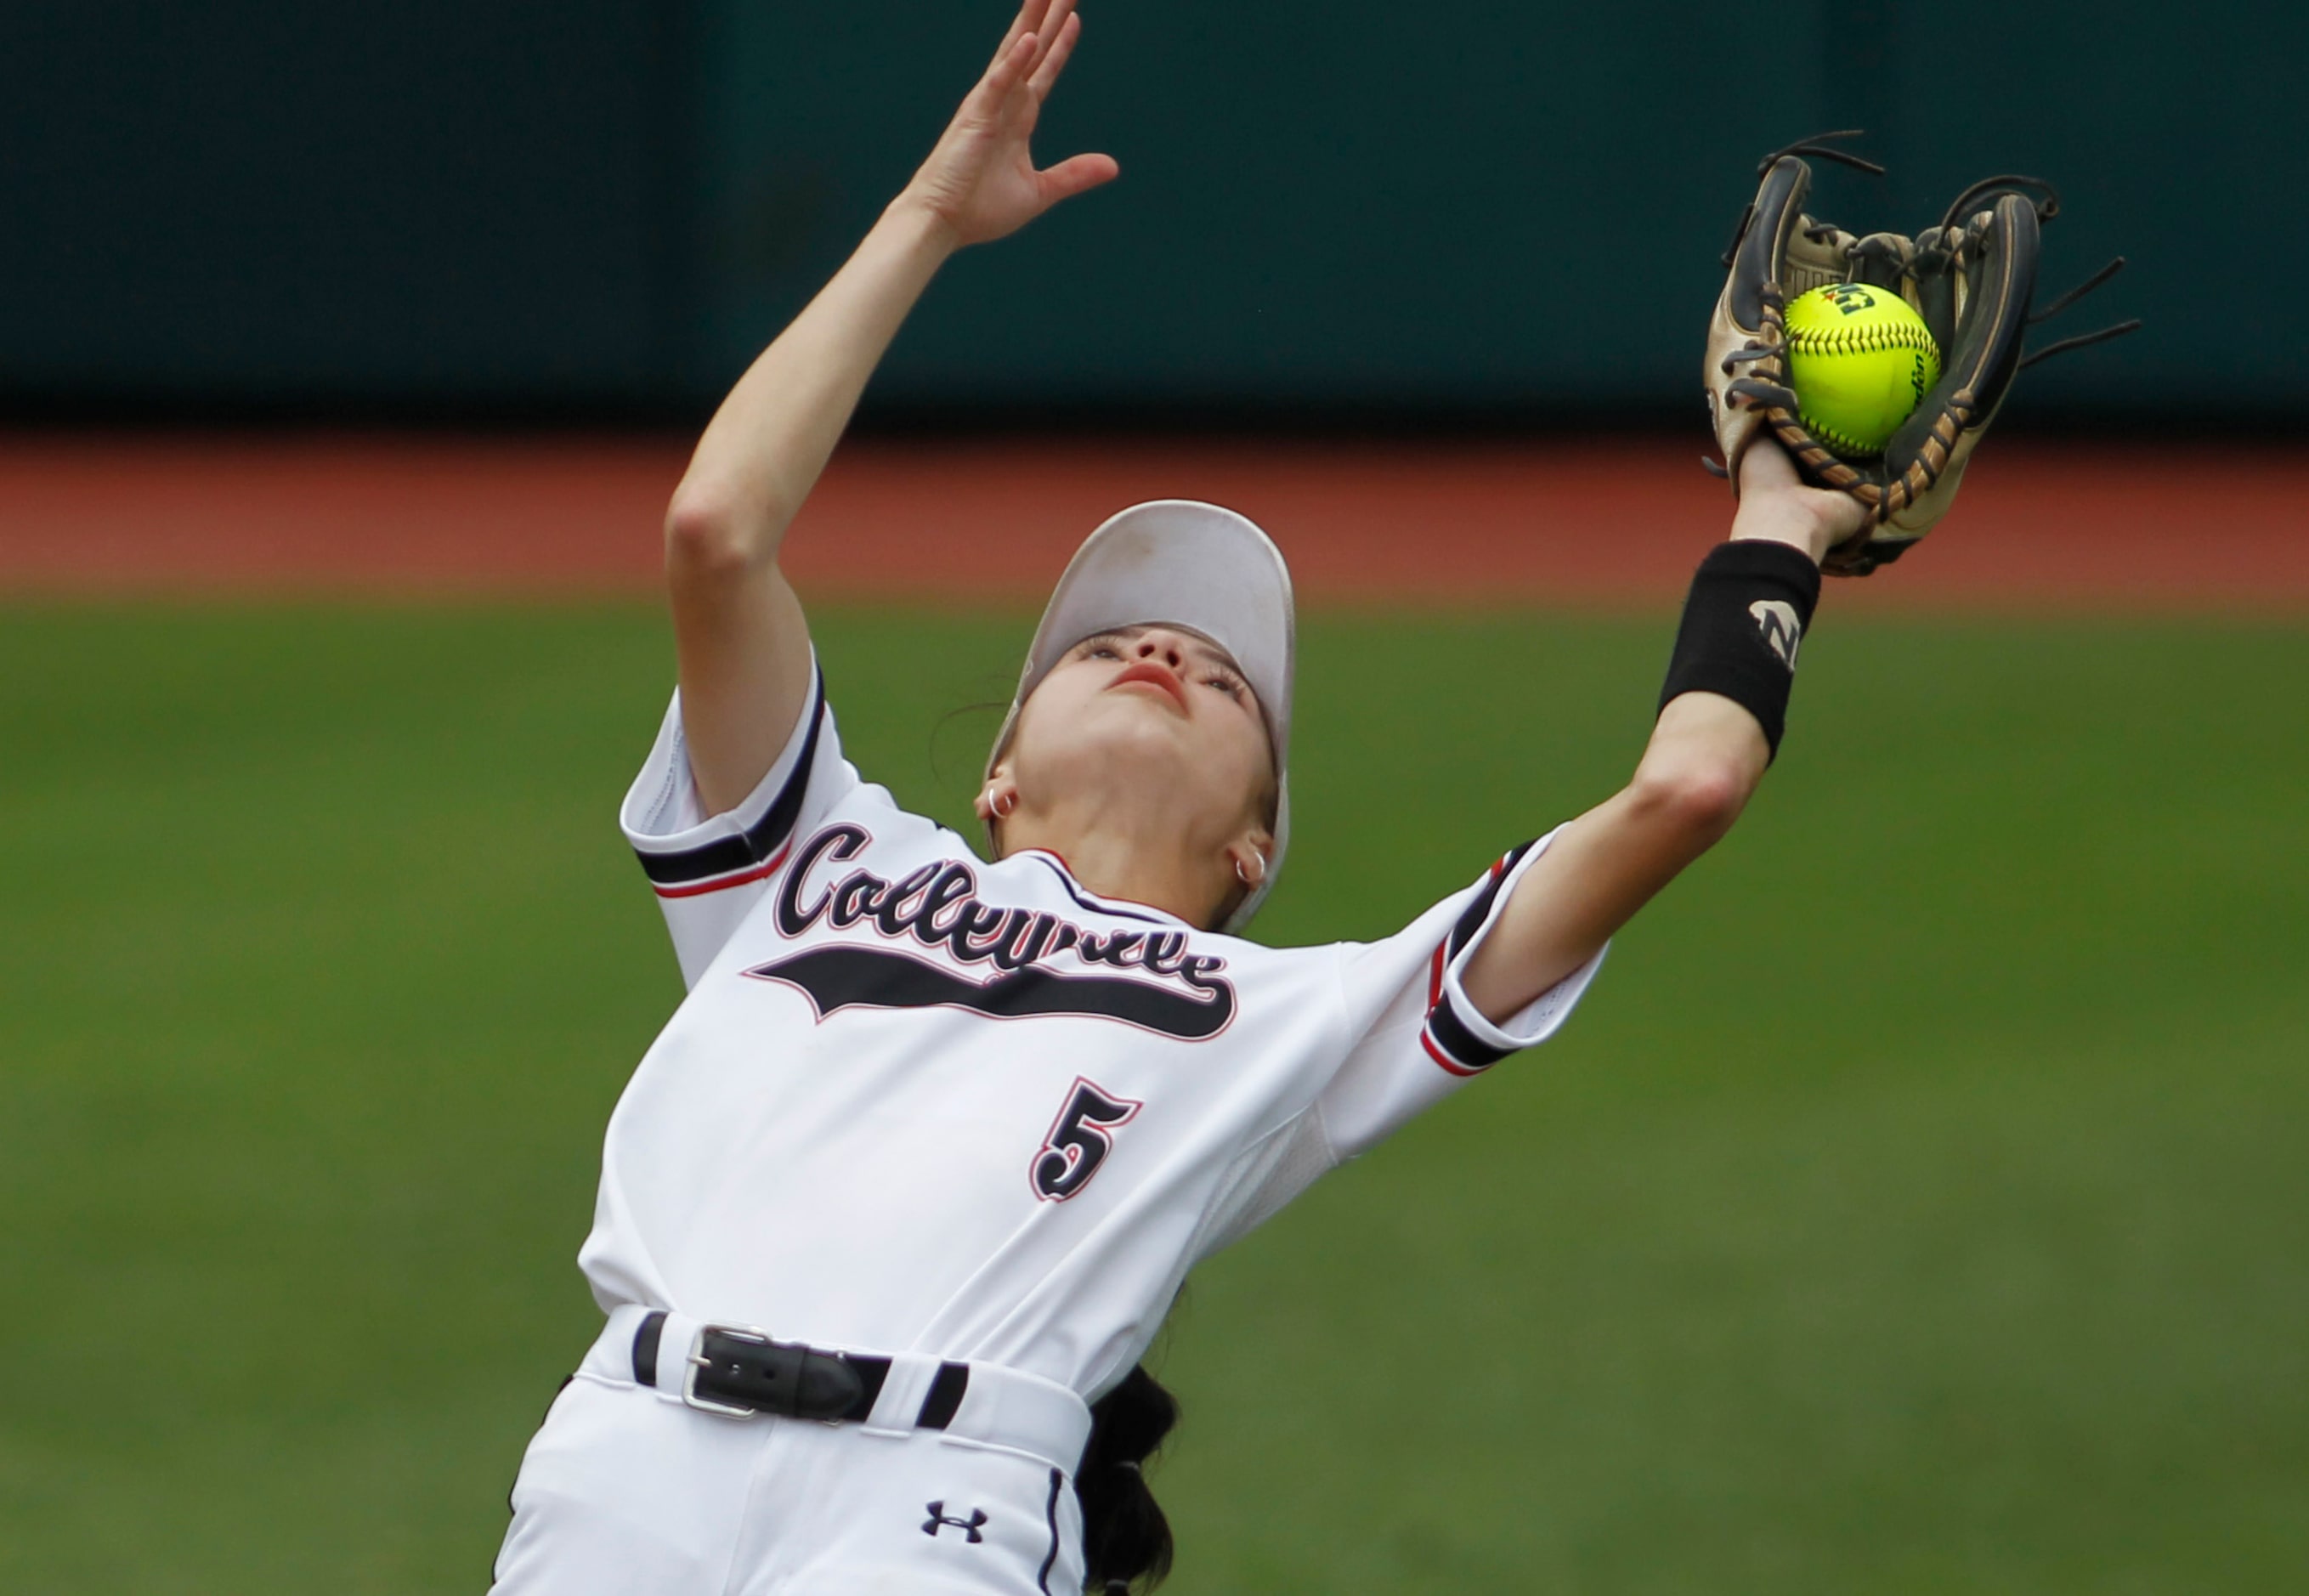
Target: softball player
(896, 1201)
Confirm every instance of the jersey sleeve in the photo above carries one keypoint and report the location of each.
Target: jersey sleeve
(709, 870)
(1414, 1038)
(1418, 1036)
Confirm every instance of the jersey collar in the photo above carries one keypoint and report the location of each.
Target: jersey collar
(1122, 908)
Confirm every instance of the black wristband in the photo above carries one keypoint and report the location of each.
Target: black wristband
(1742, 621)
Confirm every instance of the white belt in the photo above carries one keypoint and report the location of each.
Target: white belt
(982, 1404)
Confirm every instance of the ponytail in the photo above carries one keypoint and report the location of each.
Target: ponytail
(1126, 1538)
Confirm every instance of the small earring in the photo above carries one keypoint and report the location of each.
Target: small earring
(1001, 803)
(1245, 876)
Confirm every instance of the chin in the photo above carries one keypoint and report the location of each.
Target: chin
(1143, 746)
(1121, 740)
(1143, 740)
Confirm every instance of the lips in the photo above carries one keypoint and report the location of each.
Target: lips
(1146, 670)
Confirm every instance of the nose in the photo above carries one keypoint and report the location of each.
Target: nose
(1165, 647)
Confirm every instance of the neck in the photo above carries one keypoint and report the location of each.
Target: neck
(1135, 857)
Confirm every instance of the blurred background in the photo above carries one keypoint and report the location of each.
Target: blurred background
(602, 208)
(1918, 1204)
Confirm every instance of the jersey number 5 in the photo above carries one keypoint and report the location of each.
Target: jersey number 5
(1079, 1142)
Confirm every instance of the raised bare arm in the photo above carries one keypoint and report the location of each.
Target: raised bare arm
(742, 644)
(1705, 758)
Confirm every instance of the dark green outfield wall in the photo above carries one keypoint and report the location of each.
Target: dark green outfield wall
(416, 201)
(506, 204)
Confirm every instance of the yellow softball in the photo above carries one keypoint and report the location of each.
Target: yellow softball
(1861, 359)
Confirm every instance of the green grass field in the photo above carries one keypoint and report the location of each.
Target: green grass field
(1919, 1204)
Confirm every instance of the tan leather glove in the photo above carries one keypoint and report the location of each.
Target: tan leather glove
(1971, 278)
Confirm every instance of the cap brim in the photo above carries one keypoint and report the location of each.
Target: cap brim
(1180, 562)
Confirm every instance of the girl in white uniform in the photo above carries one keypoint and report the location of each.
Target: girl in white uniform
(892, 1206)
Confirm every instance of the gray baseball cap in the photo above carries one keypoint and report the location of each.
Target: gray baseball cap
(1182, 563)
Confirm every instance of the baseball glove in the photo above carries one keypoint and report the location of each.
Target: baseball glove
(1971, 278)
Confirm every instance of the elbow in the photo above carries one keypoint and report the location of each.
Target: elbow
(1697, 804)
(706, 538)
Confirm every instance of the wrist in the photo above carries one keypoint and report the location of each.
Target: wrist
(912, 219)
(1743, 622)
(1788, 519)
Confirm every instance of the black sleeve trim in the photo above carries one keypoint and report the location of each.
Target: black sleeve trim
(760, 840)
(1461, 1050)
(1480, 910)
(1446, 1037)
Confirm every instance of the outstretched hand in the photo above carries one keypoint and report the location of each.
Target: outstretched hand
(979, 182)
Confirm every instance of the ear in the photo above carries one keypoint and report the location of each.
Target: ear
(1248, 855)
(997, 797)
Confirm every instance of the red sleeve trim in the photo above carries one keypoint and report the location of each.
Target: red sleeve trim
(1445, 1059)
(768, 867)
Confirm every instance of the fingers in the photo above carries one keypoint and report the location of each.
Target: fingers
(1061, 28)
(1029, 20)
(989, 99)
(1041, 37)
(1077, 174)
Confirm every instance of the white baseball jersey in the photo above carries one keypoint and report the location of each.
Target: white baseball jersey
(917, 1103)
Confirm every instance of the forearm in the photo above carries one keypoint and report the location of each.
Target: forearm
(1705, 760)
(1726, 695)
(772, 437)
(740, 636)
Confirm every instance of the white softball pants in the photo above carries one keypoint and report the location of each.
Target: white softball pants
(625, 1491)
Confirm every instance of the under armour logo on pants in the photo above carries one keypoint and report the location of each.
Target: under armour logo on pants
(968, 1526)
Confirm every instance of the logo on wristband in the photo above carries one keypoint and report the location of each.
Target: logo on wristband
(1776, 620)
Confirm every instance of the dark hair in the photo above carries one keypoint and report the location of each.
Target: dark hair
(1125, 1537)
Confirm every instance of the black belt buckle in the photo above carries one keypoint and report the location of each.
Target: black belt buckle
(737, 1371)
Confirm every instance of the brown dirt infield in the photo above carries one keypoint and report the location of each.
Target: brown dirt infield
(1611, 521)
